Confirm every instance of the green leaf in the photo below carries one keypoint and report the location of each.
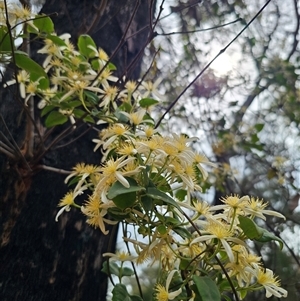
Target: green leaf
(120, 293)
(251, 230)
(121, 117)
(46, 110)
(172, 222)
(125, 200)
(257, 233)
(259, 127)
(157, 194)
(147, 202)
(91, 97)
(243, 293)
(124, 197)
(226, 298)
(56, 40)
(43, 81)
(26, 63)
(268, 236)
(95, 64)
(55, 118)
(225, 285)
(127, 271)
(70, 105)
(44, 24)
(31, 29)
(126, 107)
(118, 189)
(147, 102)
(5, 40)
(84, 41)
(161, 182)
(111, 66)
(181, 194)
(110, 269)
(117, 214)
(185, 264)
(206, 288)
(136, 298)
(80, 113)
(254, 138)
(184, 233)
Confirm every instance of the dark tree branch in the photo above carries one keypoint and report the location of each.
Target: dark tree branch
(296, 31)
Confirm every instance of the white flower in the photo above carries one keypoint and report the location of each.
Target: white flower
(257, 207)
(216, 229)
(267, 279)
(201, 159)
(22, 79)
(119, 256)
(151, 89)
(162, 292)
(111, 172)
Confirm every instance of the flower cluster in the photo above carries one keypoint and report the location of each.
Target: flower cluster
(150, 181)
(146, 179)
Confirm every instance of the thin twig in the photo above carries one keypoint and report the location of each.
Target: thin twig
(132, 264)
(152, 34)
(73, 140)
(121, 42)
(296, 31)
(62, 135)
(15, 145)
(7, 153)
(8, 143)
(287, 246)
(199, 30)
(57, 170)
(181, 9)
(6, 147)
(208, 65)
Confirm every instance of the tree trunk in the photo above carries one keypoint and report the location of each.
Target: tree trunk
(40, 259)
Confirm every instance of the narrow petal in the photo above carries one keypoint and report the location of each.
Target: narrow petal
(122, 180)
(59, 213)
(174, 294)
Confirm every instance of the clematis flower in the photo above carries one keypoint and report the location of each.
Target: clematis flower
(22, 79)
(151, 89)
(201, 159)
(216, 229)
(67, 201)
(266, 278)
(83, 170)
(233, 205)
(162, 292)
(96, 210)
(119, 256)
(256, 207)
(112, 170)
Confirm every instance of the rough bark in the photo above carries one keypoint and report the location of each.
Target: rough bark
(40, 259)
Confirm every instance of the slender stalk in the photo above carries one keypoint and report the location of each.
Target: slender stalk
(173, 103)
(7, 153)
(199, 30)
(57, 170)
